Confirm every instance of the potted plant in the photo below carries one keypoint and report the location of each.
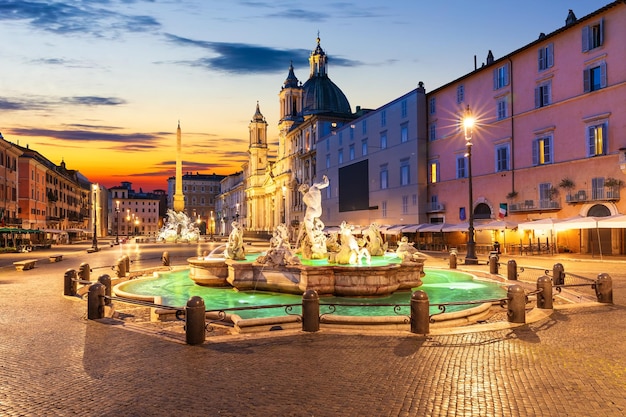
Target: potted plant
(567, 184)
(614, 185)
(511, 195)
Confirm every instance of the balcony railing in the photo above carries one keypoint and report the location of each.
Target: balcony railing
(597, 194)
(435, 207)
(533, 205)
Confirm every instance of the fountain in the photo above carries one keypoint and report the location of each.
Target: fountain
(178, 228)
(344, 267)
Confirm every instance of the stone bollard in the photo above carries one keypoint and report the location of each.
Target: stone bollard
(120, 268)
(604, 288)
(493, 264)
(84, 272)
(544, 295)
(165, 259)
(511, 270)
(453, 260)
(95, 301)
(195, 321)
(70, 286)
(516, 312)
(310, 311)
(126, 262)
(558, 274)
(106, 281)
(420, 312)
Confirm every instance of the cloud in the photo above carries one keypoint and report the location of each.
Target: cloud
(75, 17)
(240, 58)
(47, 103)
(131, 141)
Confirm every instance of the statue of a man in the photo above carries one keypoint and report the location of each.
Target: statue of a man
(312, 198)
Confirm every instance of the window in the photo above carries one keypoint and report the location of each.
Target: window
(597, 139)
(384, 177)
(546, 57)
(502, 108)
(404, 133)
(542, 150)
(432, 132)
(501, 77)
(351, 152)
(543, 94)
(502, 157)
(383, 140)
(403, 108)
(461, 166)
(460, 93)
(364, 147)
(405, 172)
(545, 194)
(405, 204)
(432, 105)
(383, 118)
(597, 188)
(383, 209)
(593, 36)
(340, 138)
(433, 172)
(364, 127)
(594, 77)
(351, 133)
(414, 198)
(340, 156)
(327, 160)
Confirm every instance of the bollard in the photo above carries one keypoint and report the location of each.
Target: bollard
(95, 301)
(511, 270)
(195, 321)
(121, 268)
(544, 295)
(516, 312)
(420, 313)
(453, 260)
(558, 274)
(70, 285)
(84, 272)
(310, 311)
(126, 262)
(106, 281)
(165, 259)
(604, 288)
(493, 264)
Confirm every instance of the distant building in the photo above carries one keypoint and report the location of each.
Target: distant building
(9, 207)
(133, 213)
(230, 204)
(200, 192)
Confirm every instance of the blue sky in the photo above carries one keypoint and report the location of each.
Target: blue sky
(102, 84)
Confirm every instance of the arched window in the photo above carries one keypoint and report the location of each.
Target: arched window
(599, 210)
(482, 211)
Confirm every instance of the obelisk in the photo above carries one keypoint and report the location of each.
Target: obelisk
(179, 198)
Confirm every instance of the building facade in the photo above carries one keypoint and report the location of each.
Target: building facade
(549, 134)
(9, 182)
(200, 194)
(133, 213)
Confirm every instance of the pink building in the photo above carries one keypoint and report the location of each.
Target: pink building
(549, 137)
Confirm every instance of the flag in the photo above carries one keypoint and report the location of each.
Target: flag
(503, 210)
(462, 213)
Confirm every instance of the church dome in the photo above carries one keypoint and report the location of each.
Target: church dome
(321, 95)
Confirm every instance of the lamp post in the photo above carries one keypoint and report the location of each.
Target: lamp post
(128, 223)
(94, 244)
(117, 222)
(136, 231)
(211, 225)
(468, 125)
(284, 206)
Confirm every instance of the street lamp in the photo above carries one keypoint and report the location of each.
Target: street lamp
(128, 221)
(211, 225)
(136, 231)
(94, 244)
(468, 126)
(284, 206)
(117, 221)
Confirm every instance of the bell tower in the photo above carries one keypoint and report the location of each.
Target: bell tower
(258, 142)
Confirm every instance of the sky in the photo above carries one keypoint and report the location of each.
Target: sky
(102, 84)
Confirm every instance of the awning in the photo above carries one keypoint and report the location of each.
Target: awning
(617, 221)
(434, 227)
(412, 228)
(395, 229)
(497, 225)
(541, 224)
(577, 222)
(461, 227)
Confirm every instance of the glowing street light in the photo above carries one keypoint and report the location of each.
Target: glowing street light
(468, 127)
(94, 245)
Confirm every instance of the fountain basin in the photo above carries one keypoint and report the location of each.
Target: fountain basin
(384, 277)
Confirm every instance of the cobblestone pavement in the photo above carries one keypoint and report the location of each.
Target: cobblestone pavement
(55, 362)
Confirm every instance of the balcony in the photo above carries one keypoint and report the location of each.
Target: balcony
(435, 207)
(533, 205)
(597, 194)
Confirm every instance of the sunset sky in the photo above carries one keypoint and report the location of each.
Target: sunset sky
(102, 84)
